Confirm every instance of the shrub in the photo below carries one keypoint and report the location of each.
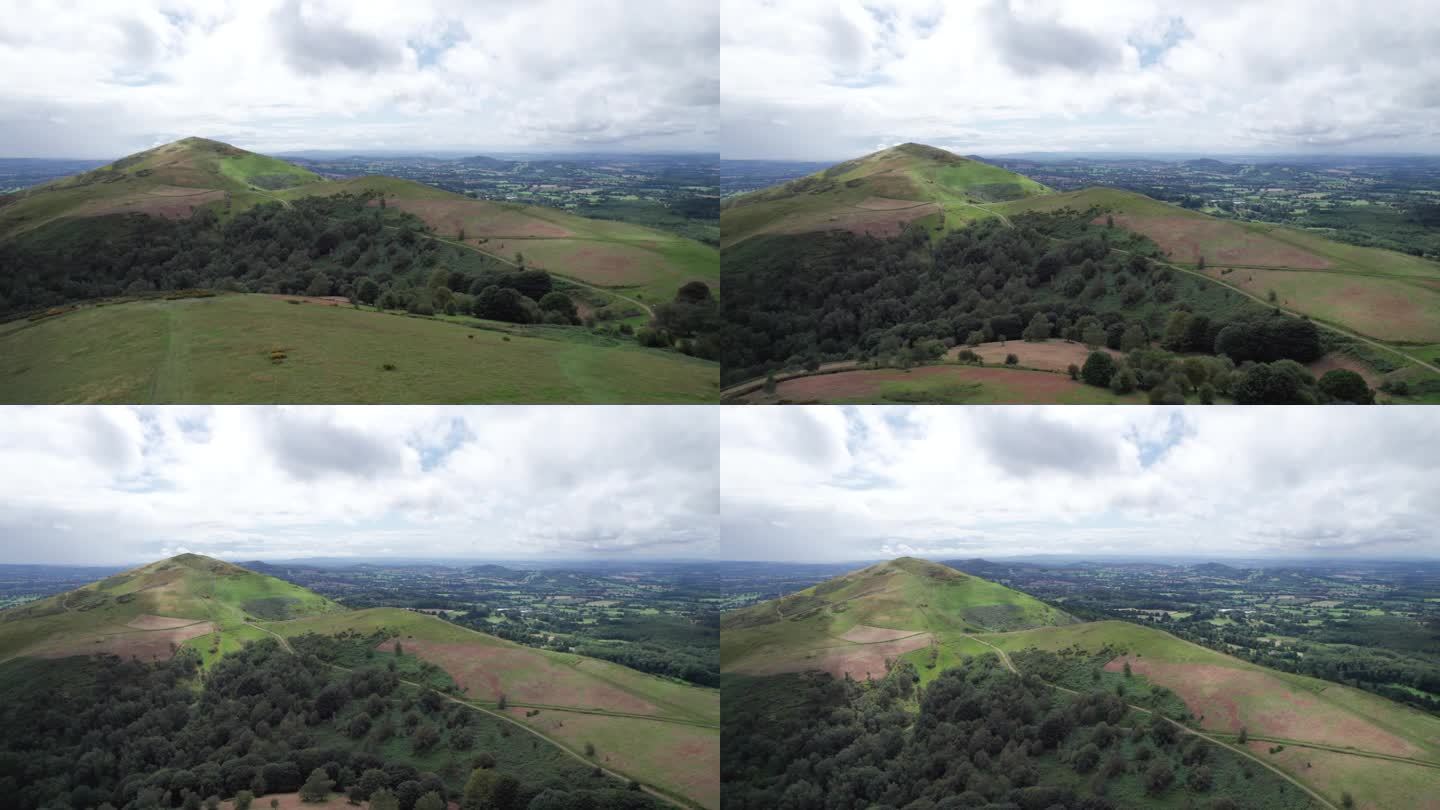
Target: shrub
(1012, 360)
(388, 366)
(1099, 369)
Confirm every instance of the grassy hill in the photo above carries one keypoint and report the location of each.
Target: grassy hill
(222, 349)
(170, 181)
(878, 194)
(185, 600)
(852, 623)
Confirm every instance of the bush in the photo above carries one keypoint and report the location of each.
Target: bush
(1344, 385)
(1099, 369)
(1074, 371)
(1012, 360)
(1123, 381)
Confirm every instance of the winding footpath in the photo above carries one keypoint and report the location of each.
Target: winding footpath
(665, 797)
(1324, 802)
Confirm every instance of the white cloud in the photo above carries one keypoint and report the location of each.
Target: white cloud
(1004, 481)
(99, 79)
(823, 79)
(123, 484)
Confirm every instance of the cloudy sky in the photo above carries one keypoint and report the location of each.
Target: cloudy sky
(830, 79)
(122, 485)
(827, 483)
(94, 78)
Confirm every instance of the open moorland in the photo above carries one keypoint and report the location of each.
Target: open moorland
(902, 258)
(1308, 732)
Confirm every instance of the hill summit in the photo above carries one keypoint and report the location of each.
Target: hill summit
(150, 611)
(853, 624)
(878, 194)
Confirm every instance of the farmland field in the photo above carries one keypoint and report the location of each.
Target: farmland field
(942, 384)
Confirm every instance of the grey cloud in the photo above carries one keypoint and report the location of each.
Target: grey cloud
(309, 447)
(1031, 47)
(1030, 444)
(314, 48)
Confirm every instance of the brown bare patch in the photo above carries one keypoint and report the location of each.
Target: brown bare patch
(881, 223)
(146, 645)
(1188, 238)
(859, 661)
(149, 622)
(1052, 355)
(864, 634)
(887, 204)
(478, 218)
(166, 206)
(1231, 698)
(1332, 361)
(323, 300)
(488, 671)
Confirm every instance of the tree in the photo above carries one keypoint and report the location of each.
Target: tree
(368, 292)
(317, 787)
(371, 780)
(243, 800)
(694, 292)
(501, 702)
(1123, 382)
(1074, 371)
(1201, 779)
(1134, 338)
(561, 303)
(1098, 369)
(319, 285)
(500, 304)
(1093, 336)
(1038, 330)
(1244, 735)
(384, 800)
(1127, 669)
(589, 749)
(425, 738)
(1207, 394)
(1158, 777)
(975, 338)
(430, 801)
(1344, 385)
(1012, 360)
(489, 790)
(1087, 758)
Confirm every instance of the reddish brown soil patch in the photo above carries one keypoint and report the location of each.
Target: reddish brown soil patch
(478, 218)
(166, 206)
(883, 223)
(1052, 355)
(1331, 362)
(1186, 239)
(148, 622)
(1230, 698)
(1018, 386)
(146, 645)
(863, 634)
(523, 676)
(291, 801)
(886, 204)
(861, 661)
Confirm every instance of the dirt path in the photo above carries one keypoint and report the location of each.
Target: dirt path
(665, 797)
(1010, 665)
(1424, 763)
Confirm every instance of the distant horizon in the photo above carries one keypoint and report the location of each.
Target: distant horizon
(1119, 153)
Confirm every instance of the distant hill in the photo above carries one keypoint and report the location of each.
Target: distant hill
(878, 193)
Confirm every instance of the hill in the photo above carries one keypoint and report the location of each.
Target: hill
(187, 600)
(1328, 738)
(806, 290)
(663, 733)
(853, 623)
(879, 194)
(171, 181)
(223, 349)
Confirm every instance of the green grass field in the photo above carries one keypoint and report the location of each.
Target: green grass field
(944, 384)
(218, 350)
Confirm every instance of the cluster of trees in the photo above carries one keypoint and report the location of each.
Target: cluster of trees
(99, 732)
(673, 646)
(798, 301)
(977, 736)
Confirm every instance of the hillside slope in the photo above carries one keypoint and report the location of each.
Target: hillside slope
(148, 611)
(879, 194)
(853, 623)
(170, 181)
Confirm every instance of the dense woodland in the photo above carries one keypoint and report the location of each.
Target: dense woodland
(107, 733)
(796, 302)
(976, 736)
(343, 245)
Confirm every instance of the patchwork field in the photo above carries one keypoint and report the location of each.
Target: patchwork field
(220, 349)
(942, 384)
